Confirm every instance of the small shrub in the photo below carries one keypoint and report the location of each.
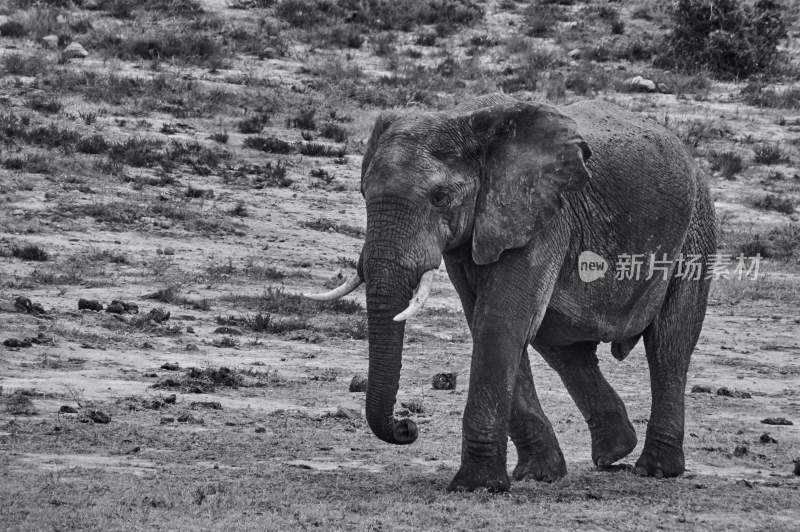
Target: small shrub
(425, 38)
(785, 241)
(274, 175)
(774, 202)
(252, 124)
(332, 131)
(239, 210)
(94, 144)
(349, 35)
(617, 27)
(304, 119)
(30, 252)
(221, 137)
(13, 29)
(541, 20)
(770, 154)
(384, 44)
(728, 163)
(22, 65)
(268, 144)
(732, 39)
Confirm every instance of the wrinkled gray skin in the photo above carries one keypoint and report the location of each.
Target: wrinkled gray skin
(509, 194)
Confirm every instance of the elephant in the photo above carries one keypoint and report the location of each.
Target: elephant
(512, 195)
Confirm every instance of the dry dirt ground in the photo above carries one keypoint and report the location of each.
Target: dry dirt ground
(111, 189)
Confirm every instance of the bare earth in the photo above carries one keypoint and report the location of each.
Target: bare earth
(286, 447)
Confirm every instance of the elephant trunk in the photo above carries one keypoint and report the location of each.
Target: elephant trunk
(388, 293)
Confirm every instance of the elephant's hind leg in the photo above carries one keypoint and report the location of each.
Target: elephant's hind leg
(613, 436)
(669, 342)
(540, 456)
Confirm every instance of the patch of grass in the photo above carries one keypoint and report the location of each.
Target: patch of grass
(762, 95)
(30, 252)
(126, 9)
(193, 47)
(166, 92)
(278, 301)
(768, 153)
(34, 163)
(327, 225)
(384, 15)
(265, 323)
(774, 202)
(18, 403)
(315, 149)
(94, 144)
(44, 104)
(138, 152)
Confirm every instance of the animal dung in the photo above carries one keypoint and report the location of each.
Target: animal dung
(89, 304)
(776, 421)
(414, 406)
(444, 381)
(358, 383)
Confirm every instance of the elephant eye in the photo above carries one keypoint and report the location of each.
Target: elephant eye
(440, 197)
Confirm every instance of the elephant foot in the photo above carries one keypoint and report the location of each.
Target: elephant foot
(545, 469)
(612, 441)
(660, 460)
(471, 477)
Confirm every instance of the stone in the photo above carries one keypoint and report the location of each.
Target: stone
(346, 412)
(444, 381)
(98, 416)
(640, 84)
(766, 438)
(75, 51)
(50, 41)
(776, 421)
(358, 383)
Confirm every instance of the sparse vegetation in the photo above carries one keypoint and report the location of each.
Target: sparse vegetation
(774, 202)
(770, 154)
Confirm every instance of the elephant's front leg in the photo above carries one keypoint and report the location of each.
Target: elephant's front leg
(510, 304)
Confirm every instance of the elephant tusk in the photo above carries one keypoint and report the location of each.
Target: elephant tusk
(421, 294)
(349, 285)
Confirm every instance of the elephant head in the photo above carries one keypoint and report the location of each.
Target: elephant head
(492, 177)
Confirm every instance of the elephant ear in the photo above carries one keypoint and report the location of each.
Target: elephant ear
(530, 155)
(382, 123)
